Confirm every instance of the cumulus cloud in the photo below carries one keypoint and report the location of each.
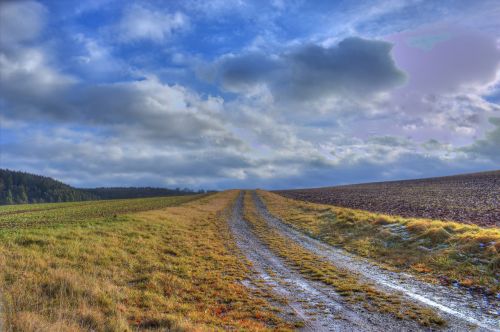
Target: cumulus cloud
(129, 127)
(30, 83)
(450, 69)
(158, 111)
(141, 23)
(355, 67)
(64, 153)
(302, 112)
(146, 108)
(34, 89)
(95, 60)
(447, 59)
(29, 79)
(489, 146)
(20, 21)
(96, 154)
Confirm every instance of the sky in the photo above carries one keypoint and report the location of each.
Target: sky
(243, 94)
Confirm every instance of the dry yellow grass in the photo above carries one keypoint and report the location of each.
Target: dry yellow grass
(345, 283)
(431, 249)
(168, 269)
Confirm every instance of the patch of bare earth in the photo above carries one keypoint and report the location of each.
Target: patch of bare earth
(469, 198)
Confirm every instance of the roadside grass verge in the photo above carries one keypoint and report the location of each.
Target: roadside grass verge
(164, 269)
(345, 283)
(436, 251)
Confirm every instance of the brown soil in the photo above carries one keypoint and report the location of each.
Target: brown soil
(468, 198)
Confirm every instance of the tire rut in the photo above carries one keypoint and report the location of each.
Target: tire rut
(459, 307)
(315, 303)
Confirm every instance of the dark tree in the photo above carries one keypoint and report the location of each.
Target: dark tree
(20, 187)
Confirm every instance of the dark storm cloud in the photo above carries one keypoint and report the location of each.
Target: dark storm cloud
(353, 67)
(243, 71)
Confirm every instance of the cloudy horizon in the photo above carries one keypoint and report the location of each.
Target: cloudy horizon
(244, 94)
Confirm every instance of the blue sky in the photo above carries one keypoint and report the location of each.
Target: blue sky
(274, 94)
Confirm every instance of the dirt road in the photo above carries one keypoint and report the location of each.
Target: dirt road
(316, 304)
(322, 309)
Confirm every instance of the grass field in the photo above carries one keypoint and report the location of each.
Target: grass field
(172, 263)
(113, 266)
(435, 250)
(13, 217)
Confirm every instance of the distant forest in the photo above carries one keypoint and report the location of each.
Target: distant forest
(20, 187)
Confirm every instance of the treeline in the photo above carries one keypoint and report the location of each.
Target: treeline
(20, 187)
(136, 192)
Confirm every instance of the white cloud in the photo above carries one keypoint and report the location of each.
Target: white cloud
(311, 114)
(95, 60)
(487, 147)
(29, 72)
(94, 51)
(141, 23)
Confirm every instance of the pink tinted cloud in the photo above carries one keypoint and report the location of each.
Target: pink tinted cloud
(445, 58)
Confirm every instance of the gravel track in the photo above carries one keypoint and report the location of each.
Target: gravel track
(318, 305)
(460, 307)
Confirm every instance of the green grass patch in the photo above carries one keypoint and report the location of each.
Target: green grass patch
(13, 217)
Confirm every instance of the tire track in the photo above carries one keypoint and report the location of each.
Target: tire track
(461, 308)
(315, 303)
